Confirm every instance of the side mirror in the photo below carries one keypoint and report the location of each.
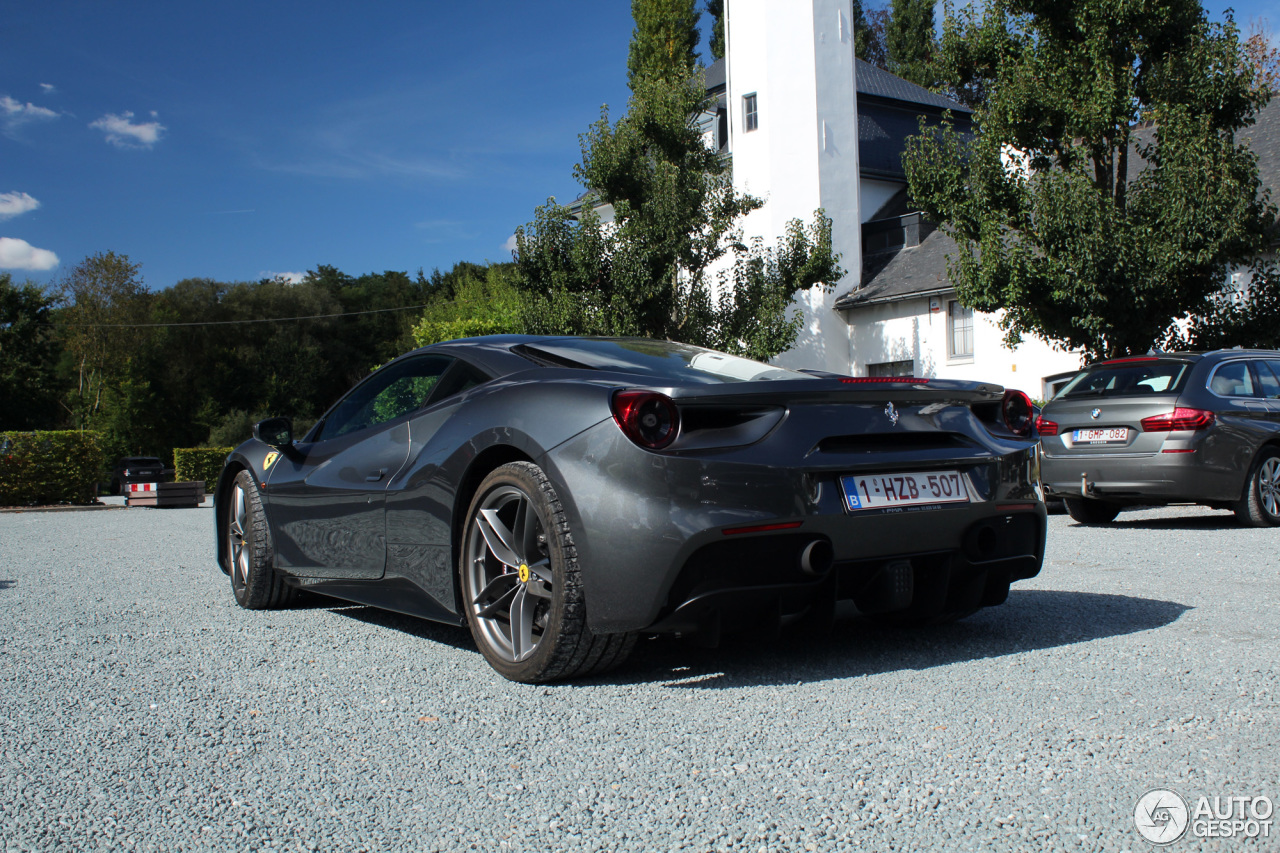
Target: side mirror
(277, 432)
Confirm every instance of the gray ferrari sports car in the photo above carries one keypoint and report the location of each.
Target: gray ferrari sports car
(561, 496)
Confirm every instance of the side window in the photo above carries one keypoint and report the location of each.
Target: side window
(395, 390)
(750, 112)
(959, 330)
(1268, 373)
(459, 378)
(1232, 380)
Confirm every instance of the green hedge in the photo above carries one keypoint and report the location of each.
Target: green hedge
(50, 467)
(199, 463)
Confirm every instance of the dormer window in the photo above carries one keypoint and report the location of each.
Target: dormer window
(750, 112)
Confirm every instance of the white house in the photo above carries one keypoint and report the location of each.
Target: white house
(809, 126)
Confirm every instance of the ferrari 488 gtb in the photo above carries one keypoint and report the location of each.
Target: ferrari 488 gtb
(561, 496)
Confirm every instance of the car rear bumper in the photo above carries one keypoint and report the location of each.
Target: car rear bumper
(1136, 478)
(675, 540)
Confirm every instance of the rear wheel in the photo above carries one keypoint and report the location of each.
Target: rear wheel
(1089, 511)
(256, 585)
(1260, 506)
(521, 586)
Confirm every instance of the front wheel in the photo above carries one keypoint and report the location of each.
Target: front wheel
(521, 586)
(255, 584)
(1089, 511)
(1260, 505)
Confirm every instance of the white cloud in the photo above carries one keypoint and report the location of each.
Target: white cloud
(123, 133)
(14, 114)
(48, 88)
(18, 254)
(16, 204)
(286, 277)
(510, 245)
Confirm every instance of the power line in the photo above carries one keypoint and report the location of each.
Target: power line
(228, 322)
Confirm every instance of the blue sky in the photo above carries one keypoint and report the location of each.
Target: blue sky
(239, 140)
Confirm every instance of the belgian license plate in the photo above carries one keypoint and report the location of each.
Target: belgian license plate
(926, 488)
(1100, 436)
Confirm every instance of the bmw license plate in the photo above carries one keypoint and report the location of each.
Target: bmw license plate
(1114, 435)
(926, 488)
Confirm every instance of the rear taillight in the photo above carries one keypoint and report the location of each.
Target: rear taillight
(884, 380)
(1179, 419)
(1017, 412)
(648, 418)
(1044, 427)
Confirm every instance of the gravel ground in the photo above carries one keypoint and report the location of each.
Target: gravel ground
(140, 709)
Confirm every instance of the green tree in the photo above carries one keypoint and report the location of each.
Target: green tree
(1082, 223)
(29, 388)
(910, 42)
(105, 303)
(1237, 318)
(715, 8)
(665, 40)
(487, 304)
(650, 271)
(869, 29)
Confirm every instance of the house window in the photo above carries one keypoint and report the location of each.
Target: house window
(892, 368)
(959, 330)
(750, 111)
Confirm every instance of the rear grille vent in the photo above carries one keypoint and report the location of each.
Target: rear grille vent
(896, 441)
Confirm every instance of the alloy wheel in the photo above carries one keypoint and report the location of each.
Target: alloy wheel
(236, 537)
(508, 571)
(1269, 486)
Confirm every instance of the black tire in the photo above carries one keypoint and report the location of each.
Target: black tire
(1090, 511)
(521, 585)
(1260, 504)
(255, 584)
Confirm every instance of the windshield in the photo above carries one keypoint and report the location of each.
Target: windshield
(1123, 379)
(662, 359)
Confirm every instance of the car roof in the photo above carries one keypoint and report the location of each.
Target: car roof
(1186, 355)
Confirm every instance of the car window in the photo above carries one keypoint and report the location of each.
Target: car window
(398, 389)
(1232, 380)
(1119, 379)
(1268, 378)
(460, 377)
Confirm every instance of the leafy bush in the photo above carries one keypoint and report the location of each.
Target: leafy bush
(49, 467)
(199, 463)
(234, 427)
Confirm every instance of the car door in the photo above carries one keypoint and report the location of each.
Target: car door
(326, 498)
(1267, 372)
(420, 500)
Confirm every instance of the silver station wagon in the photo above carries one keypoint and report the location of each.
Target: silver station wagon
(1171, 428)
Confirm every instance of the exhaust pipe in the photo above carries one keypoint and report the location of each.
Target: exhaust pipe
(817, 557)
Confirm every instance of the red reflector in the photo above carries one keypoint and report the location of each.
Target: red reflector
(1045, 427)
(764, 528)
(648, 418)
(881, 380)
(1192, 450)
(1016, 408)
(1179, 419)
(1015, 507)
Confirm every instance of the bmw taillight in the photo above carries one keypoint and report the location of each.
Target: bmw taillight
(1017, 412)
(648, 418)
(1179, 419)
(1044, 427)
